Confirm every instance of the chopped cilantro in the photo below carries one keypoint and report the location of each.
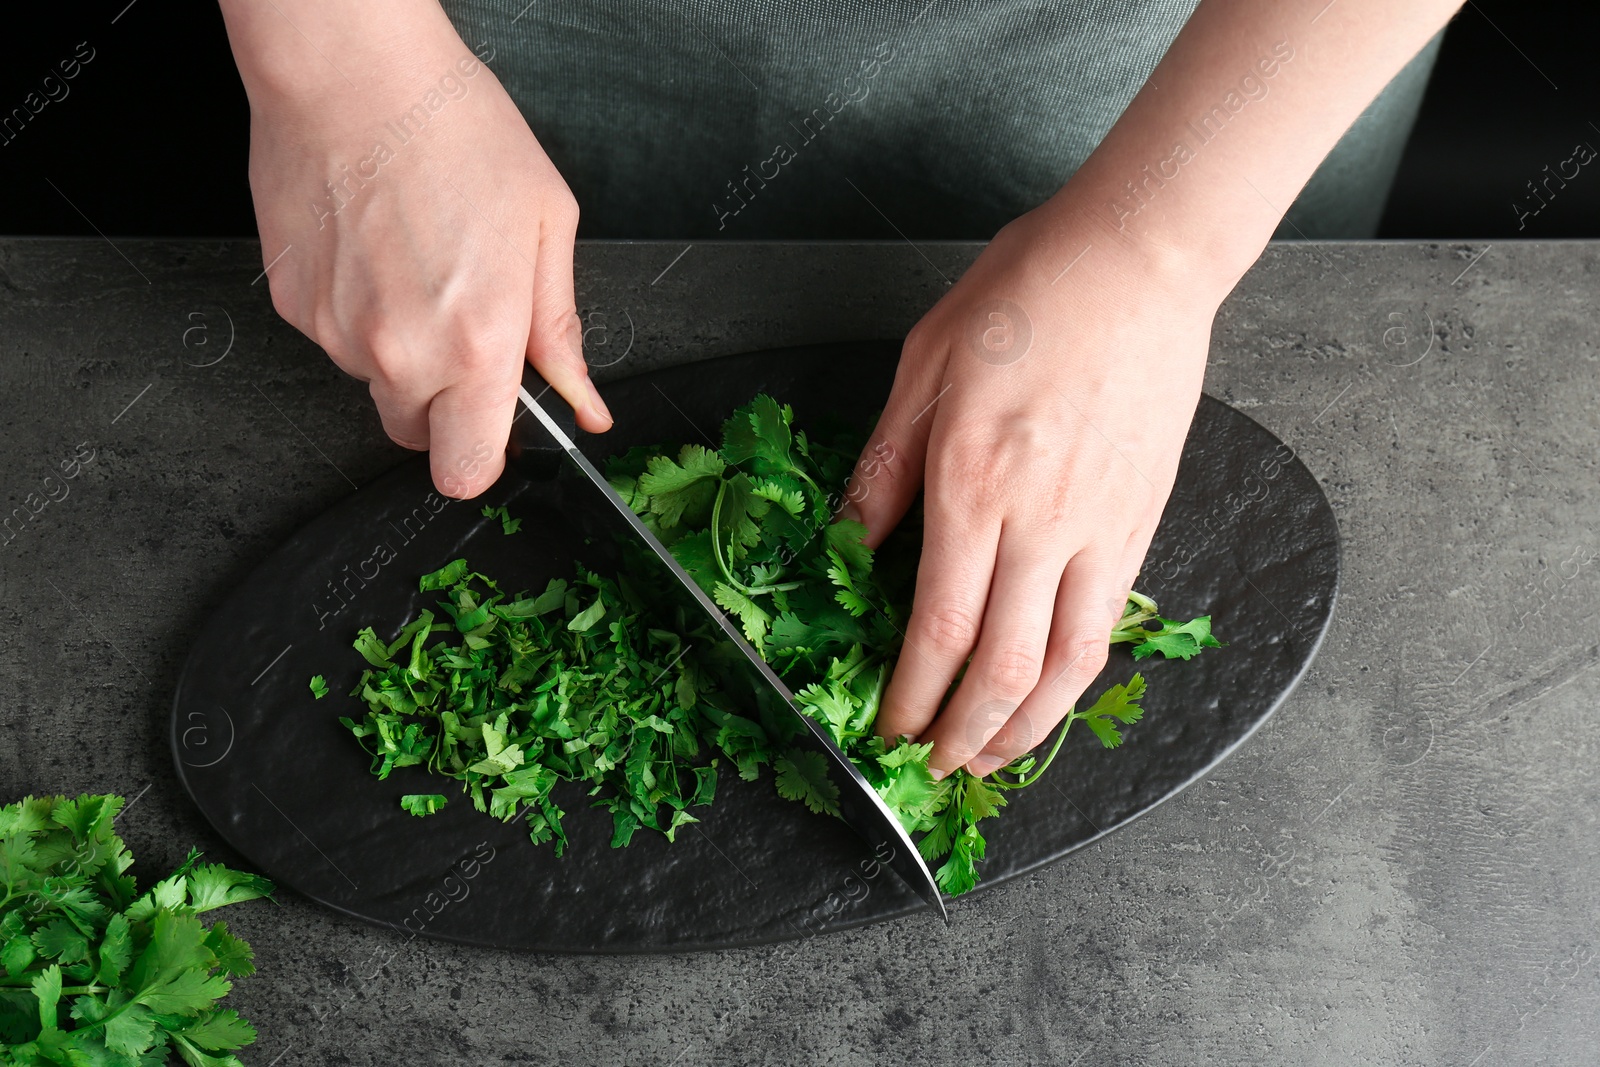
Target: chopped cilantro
(319, 686)
(420, 804)
(508, 525)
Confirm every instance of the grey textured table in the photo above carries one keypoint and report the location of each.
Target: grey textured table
(1400, 868)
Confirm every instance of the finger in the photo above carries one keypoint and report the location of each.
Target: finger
(469, 421)
(1087, 605)
(889, 472)
(403, 408)
(1133, 555)
(1010, 655)
(555, 338)
(952, 587)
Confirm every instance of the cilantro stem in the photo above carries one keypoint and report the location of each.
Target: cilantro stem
(866, 662)
(722, 564)
(782, 587)
(1131, 626)
(814, 486)
(1146, 605)
(23, 981)
(1066, 724)
(716, 539)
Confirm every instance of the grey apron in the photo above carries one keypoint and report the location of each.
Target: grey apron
(811, 119)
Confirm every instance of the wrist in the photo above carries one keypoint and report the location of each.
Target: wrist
(1178, 247)
(318, 59)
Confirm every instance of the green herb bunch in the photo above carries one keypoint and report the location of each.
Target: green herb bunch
(95, 973)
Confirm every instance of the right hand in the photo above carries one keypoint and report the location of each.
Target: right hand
(449, 257)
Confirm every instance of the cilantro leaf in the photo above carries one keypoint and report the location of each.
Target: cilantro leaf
(1178, 641)
(46, 987)
(215, 886)
(319, 686)
(803, 776)
(752, 619)
(61, 941)
(219, 1030)
(1118, 703)
(758, 435)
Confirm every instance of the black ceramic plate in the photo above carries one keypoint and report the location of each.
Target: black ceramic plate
(1248, 537)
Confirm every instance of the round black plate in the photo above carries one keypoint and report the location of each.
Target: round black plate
(1248, 537)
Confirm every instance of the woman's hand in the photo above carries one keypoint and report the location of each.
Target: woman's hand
(1044, 407)
(417, 232)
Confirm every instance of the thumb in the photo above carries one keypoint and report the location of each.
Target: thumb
(889, 472)
(555, 337)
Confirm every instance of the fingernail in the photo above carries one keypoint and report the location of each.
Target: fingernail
(982, 766)
(849, 512)
(908, 737)
(938, 773)
(598, 405)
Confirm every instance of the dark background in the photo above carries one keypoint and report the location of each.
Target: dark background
(152, 138)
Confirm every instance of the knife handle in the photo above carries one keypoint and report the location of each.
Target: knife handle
(531, 449)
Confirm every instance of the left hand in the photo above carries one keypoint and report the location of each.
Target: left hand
(1046, 412)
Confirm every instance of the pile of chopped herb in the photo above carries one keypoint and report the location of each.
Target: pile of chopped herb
(591, 681)
(95, 973)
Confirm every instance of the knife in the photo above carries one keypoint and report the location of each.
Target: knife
(543, 448)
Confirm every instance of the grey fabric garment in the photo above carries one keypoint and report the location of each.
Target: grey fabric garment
(805, 118)
(1345, 197)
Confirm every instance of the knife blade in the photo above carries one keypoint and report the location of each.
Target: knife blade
(542, 447)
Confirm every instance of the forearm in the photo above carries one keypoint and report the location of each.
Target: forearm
(1196, 174)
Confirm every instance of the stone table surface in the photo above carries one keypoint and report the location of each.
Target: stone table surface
(1400, 867)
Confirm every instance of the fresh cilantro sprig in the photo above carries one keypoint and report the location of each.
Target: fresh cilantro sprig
(91, 971)
(1172, 639)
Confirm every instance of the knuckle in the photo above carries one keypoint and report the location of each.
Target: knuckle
(982, 724)
(949, 629)
(918, 338)
(1012, 671)
(564, 213)
(880, 463)
(1020, 733)
(385, 346)
(976, 467)
(563, 327)
(1086, 654)
(482, 355)
(556, 199)
(283, 301)
(406, 441)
